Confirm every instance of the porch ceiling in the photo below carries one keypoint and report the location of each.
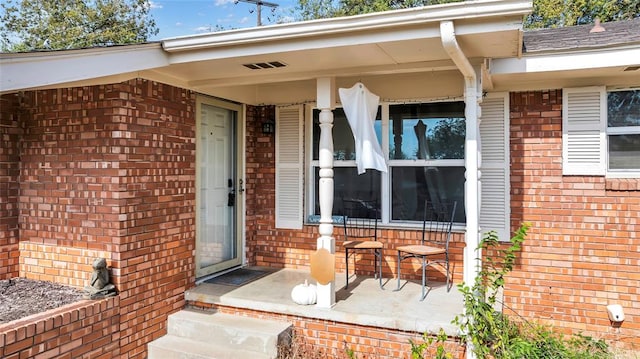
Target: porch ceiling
(360, 59)
(406, 41)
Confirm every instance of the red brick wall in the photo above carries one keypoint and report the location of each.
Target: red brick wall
(329, 339)
(583, 250)
(268, 246)
(87, 329)
(259, 185)
(157, 219)
(10, 132)
(110, 170)
(65, 265)
(291, 249)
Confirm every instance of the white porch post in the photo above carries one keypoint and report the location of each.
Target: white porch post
(471, 150)
(471, 155)
(472, 184)
(326, 294)
(472, 252)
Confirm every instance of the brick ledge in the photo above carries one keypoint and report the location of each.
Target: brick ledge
(93, 306)
(622, 184)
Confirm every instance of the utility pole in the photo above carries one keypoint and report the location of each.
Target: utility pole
(259, 4)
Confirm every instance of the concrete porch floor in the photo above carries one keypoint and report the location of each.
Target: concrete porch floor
(363, 303)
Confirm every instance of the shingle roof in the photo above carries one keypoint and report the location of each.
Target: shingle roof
(578, 37)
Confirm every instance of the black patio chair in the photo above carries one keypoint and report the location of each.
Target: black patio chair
(434, 245)
(360, 223)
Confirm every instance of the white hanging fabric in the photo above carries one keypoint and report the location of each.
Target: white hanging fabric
(361, 106)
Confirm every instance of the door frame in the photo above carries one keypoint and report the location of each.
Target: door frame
(240, 185)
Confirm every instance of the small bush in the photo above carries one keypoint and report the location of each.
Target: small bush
(297, 348)
(492, 334)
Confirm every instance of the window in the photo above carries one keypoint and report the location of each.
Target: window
(426, 157)
(424, 146)
(347, 183)
(601, 132)
(623, 130)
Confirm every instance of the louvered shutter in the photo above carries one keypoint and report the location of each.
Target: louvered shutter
(495, 208)
(583, 131)
(289, 166)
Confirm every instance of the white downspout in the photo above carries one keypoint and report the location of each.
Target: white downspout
(471, 153)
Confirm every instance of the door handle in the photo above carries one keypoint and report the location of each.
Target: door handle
(232, 199)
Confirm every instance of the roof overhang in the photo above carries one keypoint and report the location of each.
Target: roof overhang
(388, 43)
(22, 71)
(613, 66)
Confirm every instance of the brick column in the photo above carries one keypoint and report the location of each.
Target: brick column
(109, 171)
(10, 133)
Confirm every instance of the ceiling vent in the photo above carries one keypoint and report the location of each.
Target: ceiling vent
(265, 65)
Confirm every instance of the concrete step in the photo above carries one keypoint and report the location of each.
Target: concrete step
(173, 347)
(198, 335)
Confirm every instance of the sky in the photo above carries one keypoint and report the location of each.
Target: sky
(188, 17)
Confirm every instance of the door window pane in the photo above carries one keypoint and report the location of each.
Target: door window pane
(217, 244)
(411, 186)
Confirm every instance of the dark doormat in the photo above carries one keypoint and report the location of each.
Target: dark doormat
(238, 277)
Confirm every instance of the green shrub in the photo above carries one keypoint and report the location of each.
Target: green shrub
(492, 334)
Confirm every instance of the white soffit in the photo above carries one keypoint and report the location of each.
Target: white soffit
(567, 69)
(20, 71)
(583, 60)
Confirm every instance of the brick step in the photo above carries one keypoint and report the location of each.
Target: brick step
(215, 334)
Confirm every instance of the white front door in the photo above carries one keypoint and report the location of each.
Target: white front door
(218, 243)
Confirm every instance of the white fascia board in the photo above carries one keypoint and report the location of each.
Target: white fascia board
(266, 47)
(21, 71)
(379, 36)
(360, 23)
(567, 61)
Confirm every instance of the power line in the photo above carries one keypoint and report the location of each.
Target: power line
(259, 4)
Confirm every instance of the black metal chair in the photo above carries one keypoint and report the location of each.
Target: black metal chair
(436, 233)
(360, 222)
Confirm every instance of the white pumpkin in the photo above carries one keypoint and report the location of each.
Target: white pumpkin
(304, 294)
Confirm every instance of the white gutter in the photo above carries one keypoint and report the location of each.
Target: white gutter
(467, 10)
(471, 150)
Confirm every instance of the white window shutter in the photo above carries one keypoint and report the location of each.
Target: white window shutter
(289, 166)
(583, 131)
(495, 207)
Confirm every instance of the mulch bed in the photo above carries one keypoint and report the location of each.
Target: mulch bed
(21, 297)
